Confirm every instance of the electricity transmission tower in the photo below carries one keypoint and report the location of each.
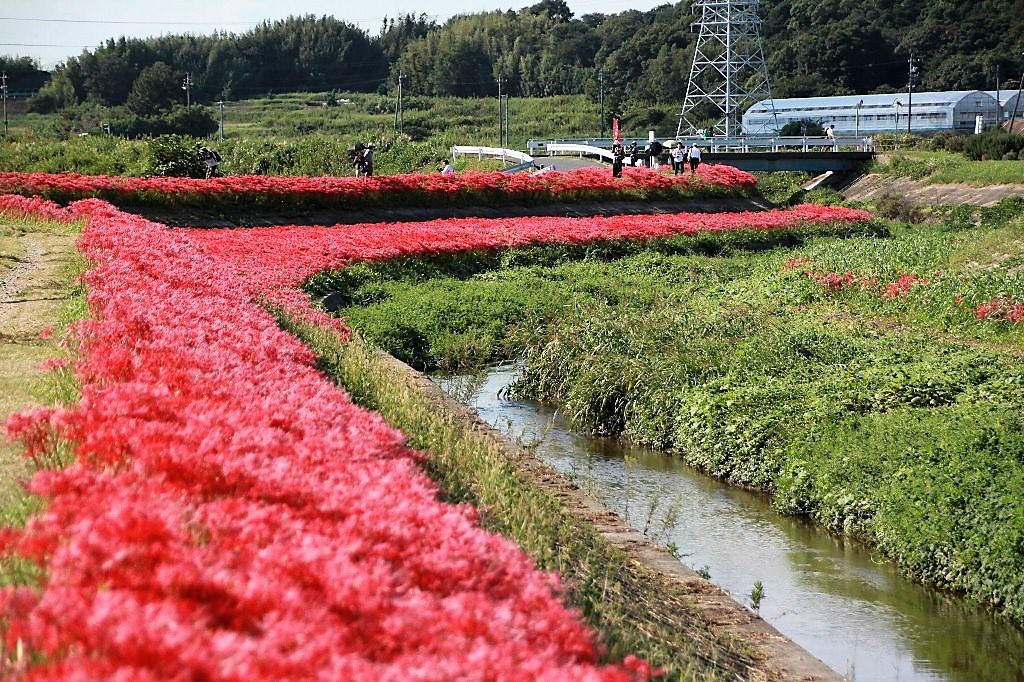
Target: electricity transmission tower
(728, 71)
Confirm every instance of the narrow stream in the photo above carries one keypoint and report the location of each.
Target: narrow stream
(835, 599)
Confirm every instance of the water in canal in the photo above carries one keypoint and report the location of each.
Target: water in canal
(835, 599)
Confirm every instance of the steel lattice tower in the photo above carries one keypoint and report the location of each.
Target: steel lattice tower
(728, 68)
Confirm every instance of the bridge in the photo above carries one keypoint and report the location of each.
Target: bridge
(807, 154)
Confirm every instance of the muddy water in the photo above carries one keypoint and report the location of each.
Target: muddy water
(835, 599)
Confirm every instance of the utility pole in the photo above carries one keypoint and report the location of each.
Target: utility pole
(1016, 103)
(505, 143)
(501, 127)
(4, 88)
(187, 87)
(399, 114)
(221, 103)
(600, 96)
(999, 104)
(913, 78)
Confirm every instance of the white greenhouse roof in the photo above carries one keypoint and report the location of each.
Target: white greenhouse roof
(948, 98)
(1005, 96)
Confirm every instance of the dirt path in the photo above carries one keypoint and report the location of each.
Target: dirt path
(33, 288)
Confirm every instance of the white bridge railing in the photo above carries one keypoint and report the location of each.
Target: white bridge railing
(556, 148)
(750, 143)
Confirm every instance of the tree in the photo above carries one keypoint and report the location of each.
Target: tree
(463, 70)
(155, 91)
(556, 10)
(395, 35)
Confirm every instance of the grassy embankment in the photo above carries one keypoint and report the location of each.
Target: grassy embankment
(848, 376)
(945, 167)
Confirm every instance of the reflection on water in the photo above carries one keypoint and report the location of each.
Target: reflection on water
(848, 608)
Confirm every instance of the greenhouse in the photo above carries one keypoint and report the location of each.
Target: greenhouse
(867, 114)
(1010, 101)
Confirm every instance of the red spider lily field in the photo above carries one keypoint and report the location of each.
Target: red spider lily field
(401, 190)
(228, 513)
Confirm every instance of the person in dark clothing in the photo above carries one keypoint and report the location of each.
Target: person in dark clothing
(618, 154)
(211, 159)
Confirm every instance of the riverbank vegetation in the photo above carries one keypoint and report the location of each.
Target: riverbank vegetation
(635, 610)
(814, 367)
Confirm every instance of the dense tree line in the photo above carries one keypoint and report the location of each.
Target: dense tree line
(812, 47)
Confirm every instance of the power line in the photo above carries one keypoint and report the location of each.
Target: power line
(154, 23)
(38, 45)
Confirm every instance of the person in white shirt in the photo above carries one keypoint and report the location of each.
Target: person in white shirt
(678, 158)
(694, 157)
(448, 169)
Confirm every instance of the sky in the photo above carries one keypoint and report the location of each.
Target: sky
(50, 31)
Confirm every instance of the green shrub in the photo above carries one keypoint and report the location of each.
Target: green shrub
(174, 156)
(903, 166)
(992, 144)
(897, 207)
(798, 128)
(949, 141)
(779, 187)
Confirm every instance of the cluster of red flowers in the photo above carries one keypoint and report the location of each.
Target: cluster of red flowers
(407, 189)
(231, 514)
(17, 206)
(901, 287)
(1001, 308)
(835, 281)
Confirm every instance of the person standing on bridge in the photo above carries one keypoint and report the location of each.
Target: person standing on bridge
(678, 158)
(694, 157)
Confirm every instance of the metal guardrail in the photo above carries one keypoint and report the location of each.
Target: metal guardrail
(525, 166)
(491, 152)
(555, 148)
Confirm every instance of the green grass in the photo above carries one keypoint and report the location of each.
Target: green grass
(945, 167)
(757, 374)
(23, 384)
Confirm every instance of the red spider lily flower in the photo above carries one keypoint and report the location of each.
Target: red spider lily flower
(231, 514)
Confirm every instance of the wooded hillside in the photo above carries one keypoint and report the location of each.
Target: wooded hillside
(813, 47)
